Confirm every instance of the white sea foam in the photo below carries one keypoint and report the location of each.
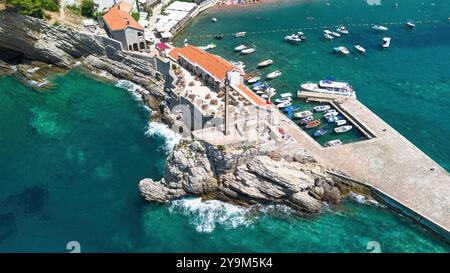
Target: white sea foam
(363, 199)
(206, 215)
(134, 90)
(162, 130)
(34, 69)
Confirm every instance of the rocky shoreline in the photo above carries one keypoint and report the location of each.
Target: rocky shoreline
(266, 173)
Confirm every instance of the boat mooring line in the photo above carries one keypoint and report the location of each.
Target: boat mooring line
(314, 28)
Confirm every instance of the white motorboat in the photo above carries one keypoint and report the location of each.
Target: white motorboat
(331, 111)
(328, 36)
(342, 49)
(208, 47)
(273, 74)
(293, 39)
(307, 120)
(335, 34)
(248, 51)
(284, 104)
(330, 87)
(239, 64)
(260, 92)
(330, 114)
(343, 129)
(342, 30)
(410, 24)
(326, 31)
(341, 122)
(214, 19)
(361, 49)
(265, 63)
(240, 34)
(303, 114)
(386, 42)
(321, 108)
(332, 143)
(286, 95)
(280, 100)
(265, 96)
(379, 28)
(240, 48)
(254, 79)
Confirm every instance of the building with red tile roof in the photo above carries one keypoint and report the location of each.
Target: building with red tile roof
(121, 26)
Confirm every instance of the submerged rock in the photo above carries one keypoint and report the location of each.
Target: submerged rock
(245, 176)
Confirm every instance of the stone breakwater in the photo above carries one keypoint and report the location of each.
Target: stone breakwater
(268, 173)
(25, 39)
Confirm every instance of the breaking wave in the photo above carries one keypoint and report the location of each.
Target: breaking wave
(206, 215)
(363, 199)
(162, 130)
(133, 88)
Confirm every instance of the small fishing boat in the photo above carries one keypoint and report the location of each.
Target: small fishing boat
(342, 30)
(361, 49)
(335, 34)
(342, 49)
(248, 51)
(292, 108)
(327, 36)
(341, 122)
(313, 124)
(263, 86)
(283, 100)
(320, 132)
(286, 95)
(410, 24)
(330, 114)
(273, 74)
(218, 36)
(306, 120)
(265, 63)
(321, 108)
(239, 64)
(254, 79)
(386, 42)
(240, 48)
(208, 47)
(303, 114)
(214, 19)
(240, 34)
(331, 119)
(332, 143)
(343, 129)
(379, 28)
(284, 104)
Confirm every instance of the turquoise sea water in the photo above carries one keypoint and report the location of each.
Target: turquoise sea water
(71, 158)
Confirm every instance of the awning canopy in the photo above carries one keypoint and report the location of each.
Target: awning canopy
(162, 46)
(166, 35)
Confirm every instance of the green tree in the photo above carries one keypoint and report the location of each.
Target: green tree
(88, 8)
(33, 7)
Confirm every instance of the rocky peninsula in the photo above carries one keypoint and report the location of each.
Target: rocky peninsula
(267, 173)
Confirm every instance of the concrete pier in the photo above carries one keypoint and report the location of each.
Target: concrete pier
(398, 172)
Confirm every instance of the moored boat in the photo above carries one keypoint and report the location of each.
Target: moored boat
(328, 36)
(286, 95)
(313, 124)
(342, 30)
(379, 28)
(341, 122)
(284, 104)
(332, 143)
(335, 34)
(330, 114)
(306, 120)
(273, 74)
(293, 39)
(321, 108)
(208, 47)
(254, 79)
(341, 49)
(361, 49)
(292, 108)
(218, 36)
(265, 63)
(410, 24)
(239, 64)
(240, 34)
(343, 129)
(330, 87)
(320, 132)
(303, 114)
(240, 47)
(386, 42)
(214, 19)
(248, 51)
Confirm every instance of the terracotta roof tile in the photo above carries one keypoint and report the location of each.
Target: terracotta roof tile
(117, 20)
(213, 64)
(255, 98)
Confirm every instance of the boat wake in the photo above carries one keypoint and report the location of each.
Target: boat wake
(162, 130)
(207, 215)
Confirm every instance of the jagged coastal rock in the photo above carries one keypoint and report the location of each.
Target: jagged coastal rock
(26, 39)
(267, 173)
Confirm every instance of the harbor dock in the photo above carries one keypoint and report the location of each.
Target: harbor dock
(397, 171)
